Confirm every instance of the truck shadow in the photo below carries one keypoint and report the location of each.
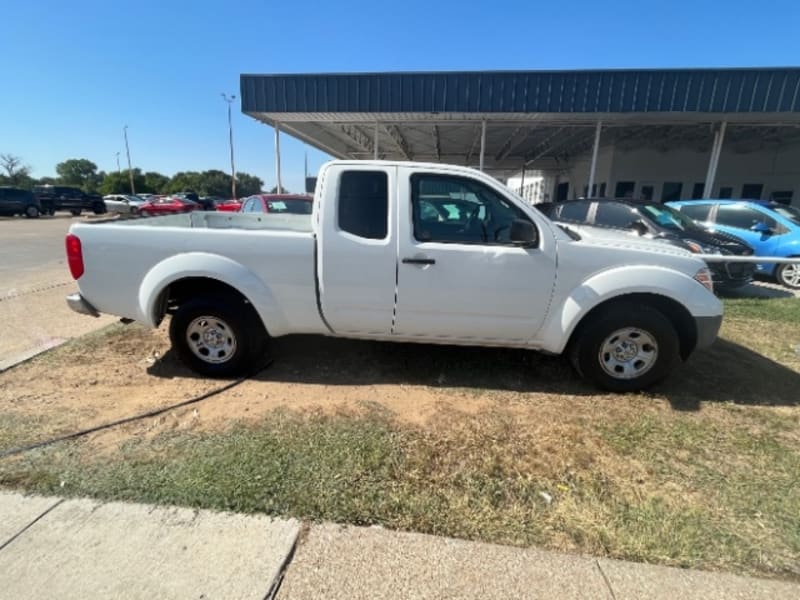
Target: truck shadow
(726, 372)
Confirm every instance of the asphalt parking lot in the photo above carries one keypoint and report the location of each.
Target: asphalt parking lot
(33, 282)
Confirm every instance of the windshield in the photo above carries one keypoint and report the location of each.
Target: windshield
(290, 205)
(788, 212)
(668, 218)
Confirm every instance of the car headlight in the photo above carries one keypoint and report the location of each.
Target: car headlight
(703, 277)
(700, 249)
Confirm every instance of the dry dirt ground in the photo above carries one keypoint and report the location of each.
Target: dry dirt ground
(122, 371)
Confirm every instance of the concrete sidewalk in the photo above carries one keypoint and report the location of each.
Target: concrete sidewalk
(84, 549)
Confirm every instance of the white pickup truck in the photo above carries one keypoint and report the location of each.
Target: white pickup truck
(400, 251)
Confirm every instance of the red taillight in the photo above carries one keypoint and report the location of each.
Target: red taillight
(74, 256)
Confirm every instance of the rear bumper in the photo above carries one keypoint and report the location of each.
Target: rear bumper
(707, 330)
(80, 305)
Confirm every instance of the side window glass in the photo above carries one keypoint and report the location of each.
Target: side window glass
(460, 210)
(363, 207)
(742, 217)
(614, 215)
(575, 212)
(697, 212)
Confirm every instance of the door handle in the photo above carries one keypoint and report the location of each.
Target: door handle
(419, 261)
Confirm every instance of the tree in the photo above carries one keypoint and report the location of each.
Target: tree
(155, 183)
(16, 173)
(247, 185)
(120, 183)
(213, 183)
(274, 190)
(79, 172)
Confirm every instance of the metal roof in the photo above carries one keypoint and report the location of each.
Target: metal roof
(625, 91)
(533, 117)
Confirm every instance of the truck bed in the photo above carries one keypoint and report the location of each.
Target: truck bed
(222, 220)
(270, 258)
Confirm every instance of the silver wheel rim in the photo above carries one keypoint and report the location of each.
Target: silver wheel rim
(32, 211)
(790, 275)
(211, 339)
(628, 353)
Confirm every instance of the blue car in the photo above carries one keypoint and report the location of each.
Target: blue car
(771, 229)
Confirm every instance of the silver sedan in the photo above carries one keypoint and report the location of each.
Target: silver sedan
(123, 203)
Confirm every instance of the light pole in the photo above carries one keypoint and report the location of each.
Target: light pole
(118, 169)
(229, 100)
(128, 152)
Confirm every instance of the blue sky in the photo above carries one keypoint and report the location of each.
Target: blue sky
(74, 73)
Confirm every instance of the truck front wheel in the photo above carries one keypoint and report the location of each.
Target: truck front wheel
(218, 336)
(625, 347)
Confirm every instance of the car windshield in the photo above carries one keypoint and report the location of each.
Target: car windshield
(295, 206)
(788, 212)
(668, 218)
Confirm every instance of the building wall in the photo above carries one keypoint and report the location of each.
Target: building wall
(534, 189)
(578, 174)
(777, 169)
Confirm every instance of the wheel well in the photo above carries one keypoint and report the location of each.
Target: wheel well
(171, 297)
(679, 316)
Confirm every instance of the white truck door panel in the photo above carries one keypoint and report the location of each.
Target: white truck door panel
(459, 275)
(357, 250)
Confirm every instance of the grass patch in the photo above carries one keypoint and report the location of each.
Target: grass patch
(703, 472)
(681, 493)
(779, 310)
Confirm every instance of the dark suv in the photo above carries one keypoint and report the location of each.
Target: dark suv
(62, 197)
(14, 201)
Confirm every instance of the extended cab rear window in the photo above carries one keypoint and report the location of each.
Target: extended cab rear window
(363, 208)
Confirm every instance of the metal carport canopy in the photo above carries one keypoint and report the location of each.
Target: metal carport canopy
(533, 118)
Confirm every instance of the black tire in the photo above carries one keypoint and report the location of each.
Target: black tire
(788, 276)
(32, 212)
(99, 209)
(644, 328)
(241, 343)
(75, 212)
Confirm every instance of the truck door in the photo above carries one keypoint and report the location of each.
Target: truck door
(357, 249)
(459, 275)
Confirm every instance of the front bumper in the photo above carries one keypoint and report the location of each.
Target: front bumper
(707, 330)
(80, 305)
(731, 275)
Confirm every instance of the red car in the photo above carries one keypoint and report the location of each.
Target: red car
(229, 206)
(295, 204)
(167, 205)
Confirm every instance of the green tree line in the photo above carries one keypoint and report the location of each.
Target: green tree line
(83, 173)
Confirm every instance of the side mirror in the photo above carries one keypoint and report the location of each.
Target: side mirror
(639, 227)
(761, 227)
(524, 233)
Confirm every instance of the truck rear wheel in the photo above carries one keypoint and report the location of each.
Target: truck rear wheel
(626, 347)
(218, 336)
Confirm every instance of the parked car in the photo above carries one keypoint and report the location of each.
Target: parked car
(210, 202)
(63, 197)
(651, 220)
(123, 203)
(278, 203)
(369, 264)
(167, 205)
(230, 205)
(14, 201)
(772, 229)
